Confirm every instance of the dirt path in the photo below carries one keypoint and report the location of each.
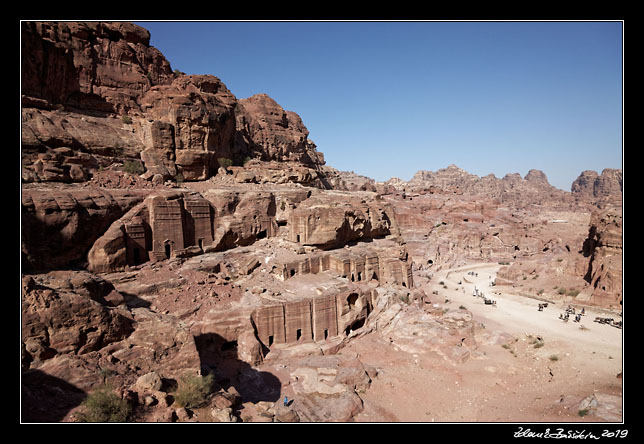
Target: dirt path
(516, 314)
(527, 366)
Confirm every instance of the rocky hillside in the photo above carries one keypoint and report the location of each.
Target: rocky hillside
(97, 93)
(533, 188)
(512, 188)
(572, 240)
(171, 231)
(603, 189)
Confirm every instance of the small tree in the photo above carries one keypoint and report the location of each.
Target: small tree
(193, 390)
(133, 167)
(103, 405)
(224, 162)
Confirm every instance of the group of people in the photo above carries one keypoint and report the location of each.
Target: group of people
(571, 310)
(479, 294)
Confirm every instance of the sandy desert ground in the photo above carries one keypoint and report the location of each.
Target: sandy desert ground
(527, 365)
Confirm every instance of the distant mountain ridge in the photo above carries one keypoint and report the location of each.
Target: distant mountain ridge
(534, 187)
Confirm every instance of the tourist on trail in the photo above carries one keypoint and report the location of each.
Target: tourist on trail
(285, 401)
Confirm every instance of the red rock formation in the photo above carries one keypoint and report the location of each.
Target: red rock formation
(59, 227)
(178, 224)
(604, 189)
(101, 92)
(511, 189)
(604, 247)
(330, 224)
(95, 66)
(318, 319)
(68, 319)
(193, 124)
(271, 133)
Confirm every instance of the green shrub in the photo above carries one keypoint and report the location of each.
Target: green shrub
(103, 405)
(126, 119)
(133, 167)
(225, 162)
(193, 390)
(179, 179)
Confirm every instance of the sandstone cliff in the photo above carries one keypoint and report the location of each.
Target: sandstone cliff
(97, 93)
(511, 189)
(600, 189)
(604, 248)
(59, 227)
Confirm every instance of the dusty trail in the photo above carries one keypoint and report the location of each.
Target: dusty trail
(511, 375)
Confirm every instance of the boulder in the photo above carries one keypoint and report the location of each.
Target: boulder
(149, 382)
(58, 320)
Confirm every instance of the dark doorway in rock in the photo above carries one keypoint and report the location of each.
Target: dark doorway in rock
(229, 346)
(352, 299)
(358, 323)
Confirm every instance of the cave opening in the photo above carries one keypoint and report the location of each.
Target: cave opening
(352, 299)
(229, 346)
(358, 323)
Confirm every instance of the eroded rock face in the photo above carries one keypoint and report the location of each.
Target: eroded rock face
(271, 133)
(329, 225)
(95, 93)
(326, 388)
(605, 249)
(256, 172)
(70, 315)
(193, 123)
(59, 227)
(96, 66)
(182, 224)
(511, 189)
(600, 189)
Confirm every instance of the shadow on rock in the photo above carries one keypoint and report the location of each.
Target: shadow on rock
(219, 357)
(46, 398)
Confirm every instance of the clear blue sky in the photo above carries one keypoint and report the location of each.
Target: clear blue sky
(386, 99)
